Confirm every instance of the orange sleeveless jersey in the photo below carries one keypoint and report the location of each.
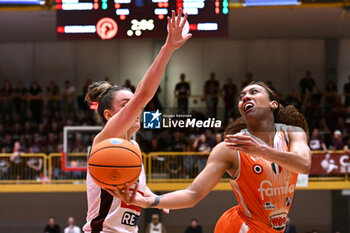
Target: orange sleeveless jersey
(264, 191)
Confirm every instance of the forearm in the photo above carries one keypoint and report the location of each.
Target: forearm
(174, 200)
(292, 161)
(151, 80)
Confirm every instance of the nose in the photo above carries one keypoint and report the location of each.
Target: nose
(246, 98)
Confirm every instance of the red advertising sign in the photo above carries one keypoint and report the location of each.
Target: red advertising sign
(330, 164)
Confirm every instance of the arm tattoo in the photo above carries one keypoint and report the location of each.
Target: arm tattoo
(156, 201)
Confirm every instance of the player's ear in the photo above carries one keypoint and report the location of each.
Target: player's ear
(107, 114)
(274, 104)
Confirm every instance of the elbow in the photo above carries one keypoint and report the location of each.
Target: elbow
(305, 168)
(193, 200)
(193, 203)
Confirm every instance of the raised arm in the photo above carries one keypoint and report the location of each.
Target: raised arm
(297, 159)
(220, 160)
(119, 124)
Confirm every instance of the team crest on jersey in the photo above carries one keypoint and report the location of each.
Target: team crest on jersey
(276, 169)
(288, 201)
(269, 206)
(278, 221)
(257, 169)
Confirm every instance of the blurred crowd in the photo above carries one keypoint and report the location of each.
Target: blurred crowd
(32, 118)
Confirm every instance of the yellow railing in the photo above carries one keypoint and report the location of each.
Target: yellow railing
(164, 170)
(23, 168)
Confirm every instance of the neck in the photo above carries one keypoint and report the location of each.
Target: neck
(263, 129)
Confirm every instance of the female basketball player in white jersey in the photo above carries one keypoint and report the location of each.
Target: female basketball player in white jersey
(118, 111)
(263, 152)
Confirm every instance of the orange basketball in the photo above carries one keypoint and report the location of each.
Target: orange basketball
(114, 162)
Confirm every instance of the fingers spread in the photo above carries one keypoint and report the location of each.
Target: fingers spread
(135, 192)
(173, 18)
(178, 19)
(184, 21)
(169, 22)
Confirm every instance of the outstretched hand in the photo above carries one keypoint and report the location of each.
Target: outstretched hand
(129, 196)
(175, 38)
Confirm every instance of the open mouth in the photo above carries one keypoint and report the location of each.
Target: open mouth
(248, 106)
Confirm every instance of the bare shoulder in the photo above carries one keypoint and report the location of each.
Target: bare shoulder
(222, 153)
(292, 129)
(296, 133)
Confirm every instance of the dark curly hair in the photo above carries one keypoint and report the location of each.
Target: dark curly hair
(288, 115)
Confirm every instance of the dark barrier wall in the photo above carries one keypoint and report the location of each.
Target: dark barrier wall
(29, 212)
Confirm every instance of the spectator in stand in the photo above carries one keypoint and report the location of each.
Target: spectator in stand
(53, 97)
(324, 131)
(347, 146)
(229, 92)
(68, 98)
(20, 98)
(2, 134)
(316, 141)
(35, 165)
(6, 100)
(52, 227)
(194, 228)
(341, 125)
(52, 143)
(154, 104)
(347, 119)
(178, 142)
(294, 99)
(71, 228)
(35, 101)
(201, 145)
(7, 144)
(346, 92)
(155, 226)
(289, 227)
(173, 166)
(16, 162)
(4, 169)
(248, 79)
(189, 161)
(308, 84)
(218, 138)
(128, 84)
(337, 143)
(182, 91)
(332, 99)
(211, 95)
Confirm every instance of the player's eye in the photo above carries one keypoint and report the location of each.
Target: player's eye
(254, 91)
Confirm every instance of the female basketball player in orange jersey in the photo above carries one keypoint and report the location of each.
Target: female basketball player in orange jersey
(119, 110)
(263, 152)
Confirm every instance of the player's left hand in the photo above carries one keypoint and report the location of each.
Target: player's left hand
(246, 144)
(175, 38)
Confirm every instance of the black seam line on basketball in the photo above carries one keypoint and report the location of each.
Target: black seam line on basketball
(114, 184)
(115, 147)
(95, 165)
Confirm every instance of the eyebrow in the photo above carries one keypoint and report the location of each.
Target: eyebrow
(248, 90)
